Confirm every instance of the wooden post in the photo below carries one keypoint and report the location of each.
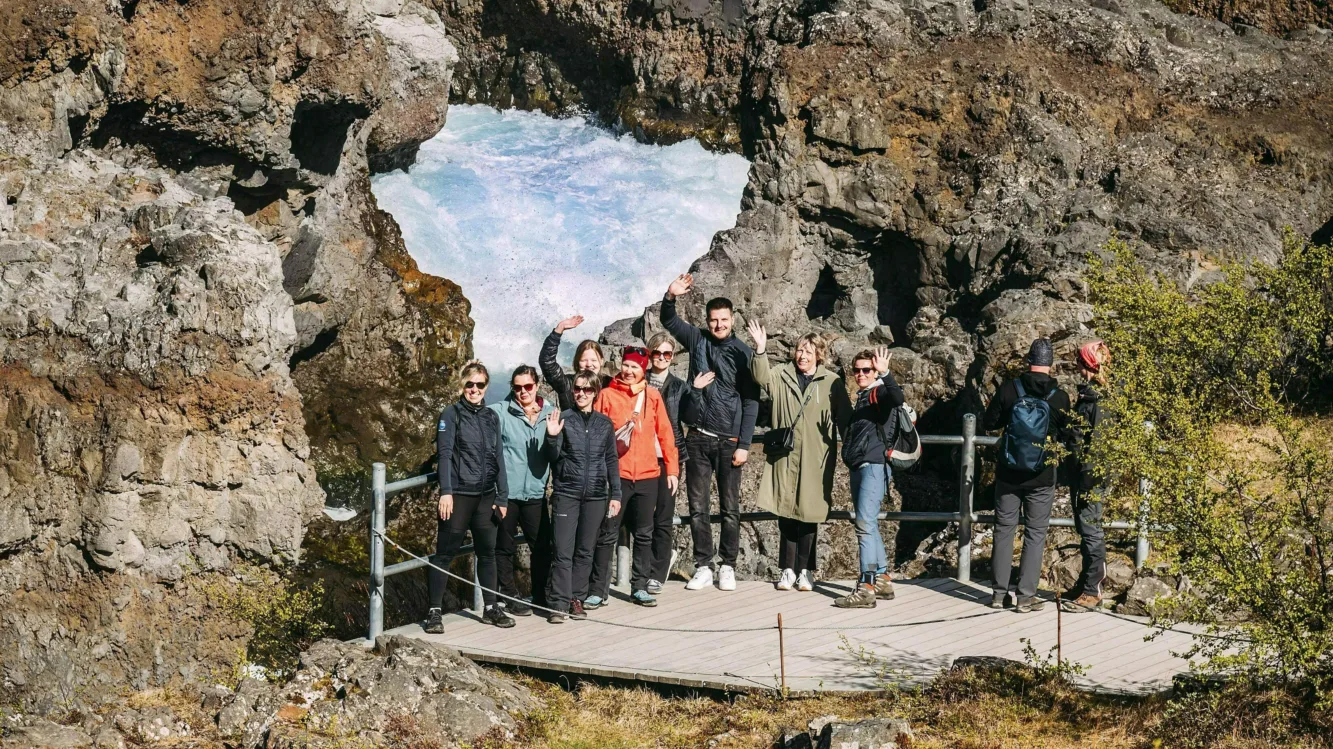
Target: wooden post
(1059, 633)
(782, 657)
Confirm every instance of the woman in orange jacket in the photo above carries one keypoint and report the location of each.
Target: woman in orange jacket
(642, 428)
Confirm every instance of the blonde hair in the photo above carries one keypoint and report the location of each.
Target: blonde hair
(474, 367)
(584, 346)
(816, 342)
(659, 338)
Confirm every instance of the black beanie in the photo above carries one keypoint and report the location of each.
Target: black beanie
(1041, 354)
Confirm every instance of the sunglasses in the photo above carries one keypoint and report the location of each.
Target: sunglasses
(584, 390)
(528, 388)
(863, 370)
(663, 354)
(641, 351)
(474, 385)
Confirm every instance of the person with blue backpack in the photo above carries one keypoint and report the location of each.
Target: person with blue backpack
(1029, 408)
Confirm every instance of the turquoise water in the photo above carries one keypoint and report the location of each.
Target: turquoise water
(540, 218)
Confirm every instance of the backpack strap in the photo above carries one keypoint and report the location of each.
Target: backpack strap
(1018, 385)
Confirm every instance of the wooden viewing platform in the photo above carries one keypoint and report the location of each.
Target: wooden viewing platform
(943, 619)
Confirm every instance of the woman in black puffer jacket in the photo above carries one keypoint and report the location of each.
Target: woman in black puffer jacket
(474, 493)
(585, 489)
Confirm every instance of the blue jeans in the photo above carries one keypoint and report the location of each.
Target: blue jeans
(869, 483)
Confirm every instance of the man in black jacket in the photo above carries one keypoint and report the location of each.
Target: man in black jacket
(1032, 490)
(723, 403)
(661, 351)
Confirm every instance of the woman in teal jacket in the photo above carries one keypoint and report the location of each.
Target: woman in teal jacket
(522, 431)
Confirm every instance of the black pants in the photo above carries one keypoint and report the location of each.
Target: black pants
(1092, 541)
(575, 524)
(1036, 505)
(709, 456)
(664, 536)
(531, 516)
(796, 544)
(477, 513)
(638, 501)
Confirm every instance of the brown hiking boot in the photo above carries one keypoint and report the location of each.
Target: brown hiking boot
(861, 598)
(1081, 605)
(884, 587)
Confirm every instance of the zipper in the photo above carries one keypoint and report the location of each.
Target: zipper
(587, 452)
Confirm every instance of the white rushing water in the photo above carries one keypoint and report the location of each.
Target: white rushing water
(540, 218)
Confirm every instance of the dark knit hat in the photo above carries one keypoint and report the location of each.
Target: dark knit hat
(1040, 354)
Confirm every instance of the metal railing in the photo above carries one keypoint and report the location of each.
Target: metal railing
(965, 516)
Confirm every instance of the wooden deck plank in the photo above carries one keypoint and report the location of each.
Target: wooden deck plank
(743, 661)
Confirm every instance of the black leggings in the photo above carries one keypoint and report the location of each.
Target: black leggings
(639, 501)
(530, 515)
(474, 512)
(796, 544)
(575, 524)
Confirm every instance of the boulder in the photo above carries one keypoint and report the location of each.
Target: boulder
(871, 733)
(1141, 596)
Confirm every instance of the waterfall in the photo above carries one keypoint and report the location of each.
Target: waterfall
(540, 218)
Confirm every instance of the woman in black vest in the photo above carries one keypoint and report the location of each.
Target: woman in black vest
(474, 493)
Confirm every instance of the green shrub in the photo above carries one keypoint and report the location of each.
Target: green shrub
(285, 619)
(1210, 400)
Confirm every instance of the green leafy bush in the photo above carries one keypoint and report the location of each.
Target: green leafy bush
(1211, 400)
(285, 619)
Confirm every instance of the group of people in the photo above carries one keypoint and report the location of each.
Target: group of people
(613, 449)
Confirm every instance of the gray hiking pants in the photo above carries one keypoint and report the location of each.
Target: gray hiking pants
(1036, 506)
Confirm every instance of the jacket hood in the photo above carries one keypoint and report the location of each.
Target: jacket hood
(511, 403)
(1038, 384)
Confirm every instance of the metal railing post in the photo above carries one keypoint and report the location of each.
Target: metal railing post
(967, 469)
(1142, 548)
(478, 602)
(623, 566)
(376, 553)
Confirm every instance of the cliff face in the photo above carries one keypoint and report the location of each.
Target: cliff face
(934, 174)
(201, 306)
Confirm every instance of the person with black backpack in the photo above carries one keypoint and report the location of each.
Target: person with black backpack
(1029, 409)
(865, 449)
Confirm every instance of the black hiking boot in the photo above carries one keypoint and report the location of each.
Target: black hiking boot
(497, 616)
(434, 622)
(518, 608)
(999, 600)
(556, 617)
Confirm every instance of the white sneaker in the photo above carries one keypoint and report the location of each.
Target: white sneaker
(703, 578)
(787, 580)
(803, 583)
(726, 578)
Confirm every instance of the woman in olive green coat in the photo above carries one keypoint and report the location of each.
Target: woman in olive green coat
(797, 486)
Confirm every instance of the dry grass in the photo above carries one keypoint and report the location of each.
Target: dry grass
(968, 709)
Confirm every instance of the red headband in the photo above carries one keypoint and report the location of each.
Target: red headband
(1090, 356)
(638, 357)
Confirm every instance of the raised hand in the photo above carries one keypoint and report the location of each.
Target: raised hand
(881, 360)
(446, 506)
(681, 285)
(758, 334)
(568, 323)
(703, 380)
(554, 424)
